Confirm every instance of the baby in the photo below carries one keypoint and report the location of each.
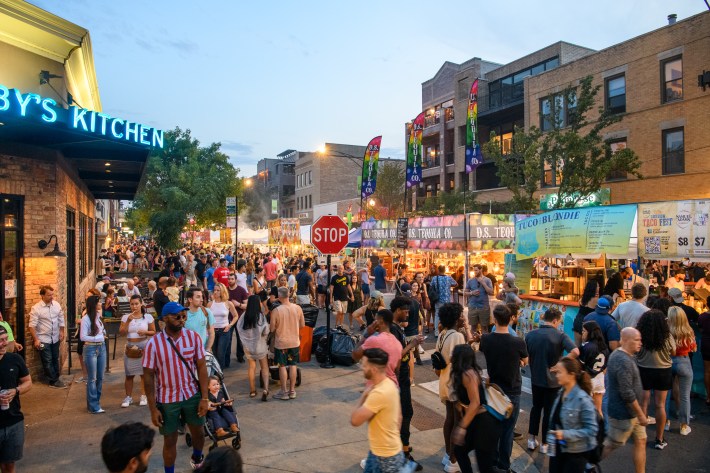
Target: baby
(221, 414)
(173, 291)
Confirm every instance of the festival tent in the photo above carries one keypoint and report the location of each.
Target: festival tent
(354, 238)
(253, 236)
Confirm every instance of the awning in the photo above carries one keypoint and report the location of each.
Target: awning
(354, 238)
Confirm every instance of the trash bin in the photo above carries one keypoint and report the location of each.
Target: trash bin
(310, 314)
(306, 334)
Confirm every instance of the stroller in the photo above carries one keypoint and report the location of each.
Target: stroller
(213, 369)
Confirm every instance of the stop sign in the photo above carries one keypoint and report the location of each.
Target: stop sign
(329, 234)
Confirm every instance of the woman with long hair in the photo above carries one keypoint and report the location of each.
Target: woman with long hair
(682, 369)
(573, 420)
(368, 311)
(355, 302)
(138, 326)
(91, 332)
(587, 304)
(656, 366)
(250, 272)
(258, 285)
(477, 428)
(594, 355)
(222, 308)
(253, 330)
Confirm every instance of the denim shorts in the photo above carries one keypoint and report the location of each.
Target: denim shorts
(12, 439)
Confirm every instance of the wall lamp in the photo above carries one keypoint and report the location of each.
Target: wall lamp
(56, 251)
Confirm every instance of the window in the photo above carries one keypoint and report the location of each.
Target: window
(511, 88)
(673, 151)
(672, 74)
(310, 177)
(557, 111)
(616, 94)
(552, 175)
(90, 245)
(462, 135)
(82, 246)
(614, 146)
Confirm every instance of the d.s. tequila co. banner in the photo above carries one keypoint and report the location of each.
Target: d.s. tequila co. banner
(414, 152)
(494, 232)
(437, 233)
(674, 229)
(369, 167)
(590, 230)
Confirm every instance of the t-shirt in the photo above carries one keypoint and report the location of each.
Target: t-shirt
(221, 275)
(209, 274)
(442, 284)
(447, 340)
(270, 270)
(606, 322)
(240, 295)
(503, 353)
(200, 270)
(403, 374)
(481, 300)
(383, 428)
(593, 359)
(657, 358)
(303, 283)
(704, 324)
(242, 280)
(613, 285)
(545, 346)
(690, 313)
(390, 345)
(412, 327)
(12, 369)
(623, 385)
(628, 313)
(380, 273)
(579, 318)
(198, 322)
(137, 324)
(340, 287)
(160, 298)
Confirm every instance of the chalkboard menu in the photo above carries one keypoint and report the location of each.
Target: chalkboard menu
(402, 230)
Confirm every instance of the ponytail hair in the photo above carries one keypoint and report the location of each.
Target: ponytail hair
(574, 367)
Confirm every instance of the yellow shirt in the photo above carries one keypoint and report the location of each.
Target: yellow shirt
(383, 428)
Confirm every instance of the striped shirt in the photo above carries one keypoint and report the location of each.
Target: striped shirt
(174, 381)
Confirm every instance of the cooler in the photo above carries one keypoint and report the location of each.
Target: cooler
(306, 334)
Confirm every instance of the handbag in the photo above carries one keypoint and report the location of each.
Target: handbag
(438, 362)
(184, 361)
(134, 351)
(498, 404)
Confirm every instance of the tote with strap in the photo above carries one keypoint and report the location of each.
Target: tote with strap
(184, 361)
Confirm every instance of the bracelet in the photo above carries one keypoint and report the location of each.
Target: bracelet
(204, 399)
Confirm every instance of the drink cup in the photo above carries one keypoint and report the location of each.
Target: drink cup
(4, 405)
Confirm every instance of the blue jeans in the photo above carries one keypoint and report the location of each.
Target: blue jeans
(437, 306)
(50, 361)
(505, 444)
(95, 361)
(222, 343)
(684, 371)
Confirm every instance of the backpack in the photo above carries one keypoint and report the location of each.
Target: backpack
(434, 296)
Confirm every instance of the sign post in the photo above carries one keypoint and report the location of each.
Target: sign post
(233, 221)
(329, 234)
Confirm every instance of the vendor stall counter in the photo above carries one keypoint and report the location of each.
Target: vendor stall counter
(533, 308)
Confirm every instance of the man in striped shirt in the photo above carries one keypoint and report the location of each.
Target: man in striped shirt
(172, 357)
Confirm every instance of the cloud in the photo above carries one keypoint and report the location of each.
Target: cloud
(236, 148)
(183, 46)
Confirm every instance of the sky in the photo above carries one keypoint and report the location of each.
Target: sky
(262, 77)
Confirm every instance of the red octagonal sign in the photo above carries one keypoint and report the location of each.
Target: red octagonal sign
(329, 234)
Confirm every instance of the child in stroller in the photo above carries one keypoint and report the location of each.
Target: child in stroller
(221, 413)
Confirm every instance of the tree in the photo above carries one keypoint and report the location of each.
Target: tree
(573, 150)
(389, 193)
(180, 179)
(448, 203)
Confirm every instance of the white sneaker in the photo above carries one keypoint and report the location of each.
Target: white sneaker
(127, 402)
(532, 444)
(685, 429)
(445, 459)
(651, 420)
(144, 400)
(543, 449)
(668, 426)
(421, 350)
(362, 463)
(452, 467)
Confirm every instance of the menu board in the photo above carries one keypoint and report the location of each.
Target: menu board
(582, 231)
(679, 229)
(402, 230)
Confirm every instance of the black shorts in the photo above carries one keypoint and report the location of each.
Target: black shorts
(320, 289)
(659, 379)
(705, 352)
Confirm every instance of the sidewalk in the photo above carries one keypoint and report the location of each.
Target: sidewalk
(309, 434)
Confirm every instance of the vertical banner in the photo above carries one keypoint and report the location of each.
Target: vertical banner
(369, 167)
(473, 149)
(414, 152)
(231, 207)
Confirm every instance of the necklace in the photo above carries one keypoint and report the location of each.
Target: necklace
(134, 317)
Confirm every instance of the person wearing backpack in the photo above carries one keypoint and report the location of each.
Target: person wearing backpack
(199, 318)
(440, 293)
(572, 437)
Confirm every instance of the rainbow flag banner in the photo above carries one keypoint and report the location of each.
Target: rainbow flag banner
(369, 167)
(473, 149)
(414, 152)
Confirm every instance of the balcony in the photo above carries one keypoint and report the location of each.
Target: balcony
(450, 158)
(431, 162)
(448, 114)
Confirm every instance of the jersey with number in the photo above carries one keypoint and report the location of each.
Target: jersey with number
(593, 359)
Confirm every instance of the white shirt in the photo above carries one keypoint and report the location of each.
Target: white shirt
(85, 330)
(134, 325)
(132, 292)
(291, 281)
(47, 320)
(242, 280)
(628, 313)
(673, 282)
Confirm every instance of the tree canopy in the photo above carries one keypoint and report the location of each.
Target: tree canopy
(389, 193)
(182, 179)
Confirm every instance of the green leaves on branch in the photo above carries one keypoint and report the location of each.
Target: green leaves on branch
(182, 179)
(389, 194)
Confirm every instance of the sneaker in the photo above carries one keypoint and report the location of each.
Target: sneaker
(452, 467)
(292, 394)
(418, 466)
(80, 380)
(127, 401)
(685, 429)
(195, 463)
(660, 444)
(58, 385)
(144, 400)
(532, 444)
(421, 350)
(445, 459)
(667, 428)
(362, 463)
(543, 449)
(100, 411)
(281, 395)
(651, 420)
(517, 435)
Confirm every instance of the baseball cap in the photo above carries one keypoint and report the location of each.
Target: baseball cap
(675, 294)
(172, 308)
(106, 278)
(604, 302)
(2, 330)
(406, 287)
(376, 294)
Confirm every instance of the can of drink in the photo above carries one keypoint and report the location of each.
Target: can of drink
(41, 346)
(551, 444)
(3, 404)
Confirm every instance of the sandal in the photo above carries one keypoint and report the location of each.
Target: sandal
(252, 394)
(265, 396)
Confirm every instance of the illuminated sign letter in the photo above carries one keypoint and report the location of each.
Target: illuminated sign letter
(78, 117)
(116, 134)
(157, 138)
(24, 101)
(4, 96)
(144, 135)
(103, 118)
(50, 115)
(131, 129)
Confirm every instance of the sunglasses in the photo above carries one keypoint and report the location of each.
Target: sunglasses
(178, 316)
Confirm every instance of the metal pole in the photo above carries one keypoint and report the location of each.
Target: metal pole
(236, 229)
(465, 241)
(329, 339)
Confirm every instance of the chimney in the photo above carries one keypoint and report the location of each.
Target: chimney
(672, 18)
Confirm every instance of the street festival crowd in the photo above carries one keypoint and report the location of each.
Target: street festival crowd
(181, 309)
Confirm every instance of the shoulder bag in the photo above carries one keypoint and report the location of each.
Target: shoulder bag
(438, 362)
(497, 403)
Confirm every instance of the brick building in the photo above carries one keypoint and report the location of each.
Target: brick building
(653, 80)
(277, 177)
(59, 156)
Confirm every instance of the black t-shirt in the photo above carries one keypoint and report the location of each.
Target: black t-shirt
(413, 319)
(303, 283)
(579, 318)
(593, 359)
(200, 268)
(159, 301)
(403, 373)
(545, 347)
(12, 368)
(340, 287)
(613, 285)
(503, 353)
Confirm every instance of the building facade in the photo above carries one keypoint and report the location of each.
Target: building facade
(276, 175)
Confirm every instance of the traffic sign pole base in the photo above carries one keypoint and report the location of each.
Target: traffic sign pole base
(327, 365)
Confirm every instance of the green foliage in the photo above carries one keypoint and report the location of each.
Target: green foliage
(448, 203)
(389, 193)
(182, 179)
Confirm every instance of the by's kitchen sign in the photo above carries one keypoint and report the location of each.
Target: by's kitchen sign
(46, 111)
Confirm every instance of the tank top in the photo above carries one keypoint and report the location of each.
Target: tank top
(221, 314)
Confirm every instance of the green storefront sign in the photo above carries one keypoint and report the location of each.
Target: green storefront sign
(601, 197)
